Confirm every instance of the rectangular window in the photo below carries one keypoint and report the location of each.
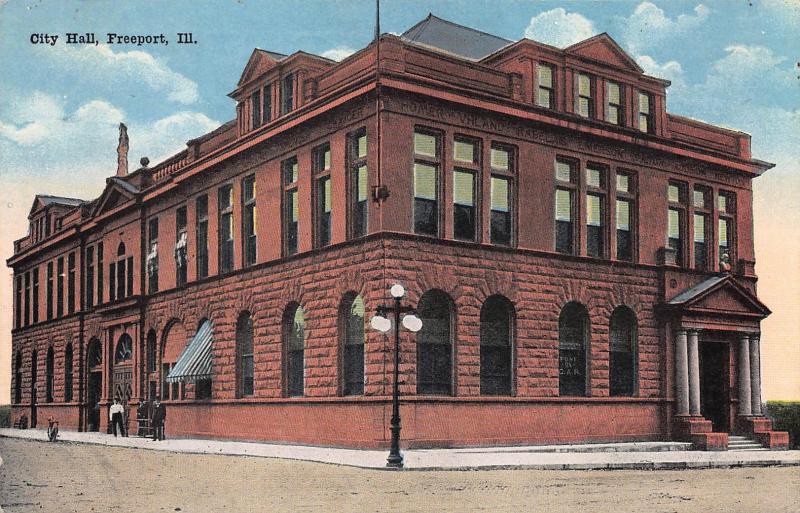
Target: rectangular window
(358, 183)
(595, 212)
(324, 201)
(112, 279)
(121, 279)
(100, 271)
(152, 256)
(545, 96)
(700, 248)
(564, 207)
(291, 207)
(129, 284)
(614, 110)
(60, 288)
(255, 104)
(71, 282)
(49, 291)
(287, 94)
(463, 205)
(35, 300)
(18, 312)
(464, 151)
(625, 220)
(426, 184)
(225, 218)
(201, 213)
(646, 113)
(701, 203)
(676, 229)
(89, 257)
(267, 103)
(181, 247)
(249, 220)
(500, 210)
(584, 102)
(726, 208)
(27, 313)
(321, 166)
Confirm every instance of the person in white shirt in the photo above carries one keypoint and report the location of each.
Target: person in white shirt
(115, 415)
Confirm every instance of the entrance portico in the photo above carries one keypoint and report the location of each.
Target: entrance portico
(711, 322)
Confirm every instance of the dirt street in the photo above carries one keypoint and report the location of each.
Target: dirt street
(65, 477)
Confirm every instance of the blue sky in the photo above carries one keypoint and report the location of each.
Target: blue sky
(731, 63)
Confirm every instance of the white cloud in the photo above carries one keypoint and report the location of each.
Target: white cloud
(648, 25)
(339, 53)
(559, 28)
(38, 136)
(670, 70)
(135, 67)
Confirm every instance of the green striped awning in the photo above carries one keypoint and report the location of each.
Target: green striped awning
(194, 363)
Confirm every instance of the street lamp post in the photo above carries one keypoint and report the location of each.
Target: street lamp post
(385, 316)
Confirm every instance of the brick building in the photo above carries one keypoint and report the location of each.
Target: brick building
(582, 261)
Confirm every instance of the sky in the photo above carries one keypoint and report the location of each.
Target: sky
(731, 63)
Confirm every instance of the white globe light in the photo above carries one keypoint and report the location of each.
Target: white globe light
(412, 323)
(397, 291)
(380, 323)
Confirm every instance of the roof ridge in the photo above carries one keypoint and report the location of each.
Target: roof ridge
(431, 15)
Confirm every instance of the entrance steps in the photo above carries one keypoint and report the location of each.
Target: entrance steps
(743, 443)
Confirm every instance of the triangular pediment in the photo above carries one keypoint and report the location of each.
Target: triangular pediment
(260, 61)
(114, 195)
(604, 49)
(722, 294)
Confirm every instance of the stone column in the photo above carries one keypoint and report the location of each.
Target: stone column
(744, 375)
(694, 374)
(681, 373)
(755, 374)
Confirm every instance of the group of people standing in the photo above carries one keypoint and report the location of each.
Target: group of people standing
(157, 413)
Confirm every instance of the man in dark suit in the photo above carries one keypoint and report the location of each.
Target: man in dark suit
(159, 417)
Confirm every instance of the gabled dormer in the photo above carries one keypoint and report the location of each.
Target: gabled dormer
(117, 193)
(46, 215)
(272, 85)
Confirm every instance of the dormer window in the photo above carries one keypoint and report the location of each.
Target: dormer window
(255, 110)
(267, 103)
(614, 111)
(584, 102)
(646, 113)
(545, 97)
(287, 94)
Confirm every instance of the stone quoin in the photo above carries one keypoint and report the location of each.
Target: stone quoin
(582, 261)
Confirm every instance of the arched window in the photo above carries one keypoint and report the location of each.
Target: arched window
(497, 328)
(622, 348)
(351, 324)
(49, 369)
(68, 373)
(151, 351)
(294, 333)
(124, 351)
(18, 378)
(573, 336)
(434, 344)
(94, 358)
(244, 355)
(121, 249)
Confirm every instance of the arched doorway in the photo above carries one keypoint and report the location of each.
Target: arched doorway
(123, 370)
(94, 388)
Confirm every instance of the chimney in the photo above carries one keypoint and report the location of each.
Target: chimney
(122, 151)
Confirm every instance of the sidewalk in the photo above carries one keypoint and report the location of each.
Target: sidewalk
(614, 456)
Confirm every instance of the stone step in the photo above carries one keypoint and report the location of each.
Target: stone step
(743, 443)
